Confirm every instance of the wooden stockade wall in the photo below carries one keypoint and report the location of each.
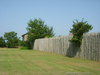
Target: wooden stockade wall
(90, 47)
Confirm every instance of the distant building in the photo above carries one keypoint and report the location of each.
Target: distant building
(71, 34)
(24, 37)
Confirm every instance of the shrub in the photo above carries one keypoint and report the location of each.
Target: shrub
(79, 28)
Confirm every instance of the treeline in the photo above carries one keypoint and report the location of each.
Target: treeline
(10, 40)
(38, 29)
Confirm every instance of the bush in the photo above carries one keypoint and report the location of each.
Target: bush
(79, 28)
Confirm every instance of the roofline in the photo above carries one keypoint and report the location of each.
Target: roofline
(24, 34)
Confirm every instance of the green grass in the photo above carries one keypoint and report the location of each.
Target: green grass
(31, 62)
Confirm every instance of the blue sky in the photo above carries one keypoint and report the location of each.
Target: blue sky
(59, 14)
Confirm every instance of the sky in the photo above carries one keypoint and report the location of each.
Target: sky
(59, 14)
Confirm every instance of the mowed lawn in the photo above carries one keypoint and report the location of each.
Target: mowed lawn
(32, 62)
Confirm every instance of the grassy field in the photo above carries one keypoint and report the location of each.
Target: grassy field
(31, 62)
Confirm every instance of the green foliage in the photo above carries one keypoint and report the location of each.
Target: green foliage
(22, 43)
(11, 39)
(79, 28)
(2, 42)
(26, 44)
(38, 29)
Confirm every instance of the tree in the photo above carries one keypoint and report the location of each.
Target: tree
(38, 29)
(11, 39)
(79, 28)
(2, 42)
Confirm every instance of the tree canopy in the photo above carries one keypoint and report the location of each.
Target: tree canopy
(2, 42)
(78, 29)
(38, 29)
(11, 39)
